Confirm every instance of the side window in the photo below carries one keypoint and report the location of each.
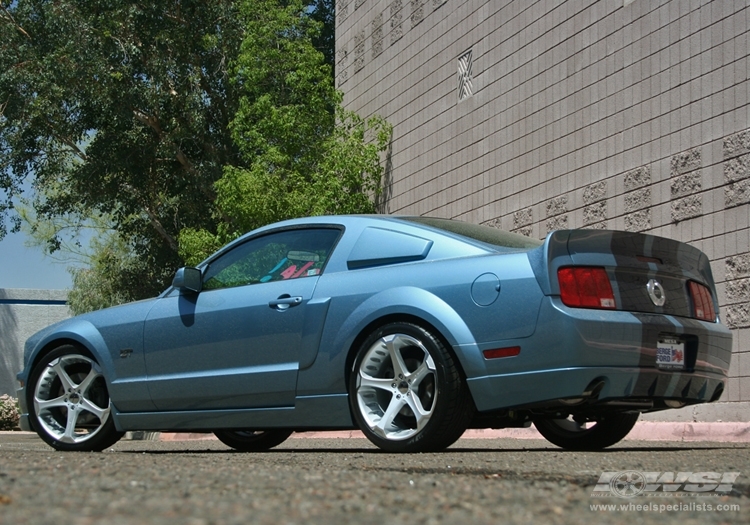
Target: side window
(290, 254)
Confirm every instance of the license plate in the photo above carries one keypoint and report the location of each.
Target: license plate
(670, 354)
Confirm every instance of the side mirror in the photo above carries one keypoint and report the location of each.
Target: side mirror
(188, 280)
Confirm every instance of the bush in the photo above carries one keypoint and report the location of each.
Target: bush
(9, 413)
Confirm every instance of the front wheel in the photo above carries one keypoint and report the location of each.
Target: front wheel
(406, 392)
(576, 433)
(69, 404)
(252, 440)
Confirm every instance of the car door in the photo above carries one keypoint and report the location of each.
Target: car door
(236, 343)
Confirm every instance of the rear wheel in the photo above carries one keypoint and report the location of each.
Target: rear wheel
(406, 392)
(69, 404)
(575, 433)
(252, 440)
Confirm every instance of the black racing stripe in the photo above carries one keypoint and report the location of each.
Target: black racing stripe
(626, 247)
(701, 356)
(652, 326)
(642, 257)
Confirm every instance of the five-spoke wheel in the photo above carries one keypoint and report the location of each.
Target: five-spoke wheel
(406, 392)
(69, 403)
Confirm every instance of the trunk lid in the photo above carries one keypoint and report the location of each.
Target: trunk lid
(632, 261)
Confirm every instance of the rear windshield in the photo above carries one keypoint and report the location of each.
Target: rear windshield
(486, 234)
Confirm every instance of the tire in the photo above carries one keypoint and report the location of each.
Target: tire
(406, 392)
(252, 440)
(574, 435)
(69, 405)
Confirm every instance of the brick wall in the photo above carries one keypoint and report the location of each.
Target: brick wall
(537, 115)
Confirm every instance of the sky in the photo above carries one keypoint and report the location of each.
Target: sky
(29, 267)
(23, 267)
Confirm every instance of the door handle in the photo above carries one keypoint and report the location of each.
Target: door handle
(285, 302)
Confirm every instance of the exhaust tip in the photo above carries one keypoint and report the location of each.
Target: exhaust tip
(589, 395)
(594, 389)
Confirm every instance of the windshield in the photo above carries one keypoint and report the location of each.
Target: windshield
(486, 234)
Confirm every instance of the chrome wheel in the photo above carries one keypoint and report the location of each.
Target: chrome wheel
(406, 392)
(70, 399)
(396, 387)
(70, 403)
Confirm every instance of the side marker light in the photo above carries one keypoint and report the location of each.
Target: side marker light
(502, 352)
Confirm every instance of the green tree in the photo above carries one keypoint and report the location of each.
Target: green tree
(324, 12)
(103, 266)
(302, 154)
(122, 107)
(153, 113)
(99, 284)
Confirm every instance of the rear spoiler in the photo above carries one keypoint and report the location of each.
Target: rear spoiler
(610, 248)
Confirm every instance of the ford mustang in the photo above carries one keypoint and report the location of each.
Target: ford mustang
(411, 329)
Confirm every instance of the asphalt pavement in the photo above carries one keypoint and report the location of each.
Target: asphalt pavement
(336, 481)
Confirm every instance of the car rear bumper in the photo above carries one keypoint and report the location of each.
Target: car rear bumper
(601, 356)
(642, 388)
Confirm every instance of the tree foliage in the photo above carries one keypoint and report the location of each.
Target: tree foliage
(184, 122)
(345, 179)
(324, 12)
(302, 154)
(99, 284)
(103, 266)
(123, 108)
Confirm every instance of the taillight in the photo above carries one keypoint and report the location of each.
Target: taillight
(703, 304)
(585, 287)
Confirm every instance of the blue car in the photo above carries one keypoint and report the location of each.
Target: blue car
(411, 329)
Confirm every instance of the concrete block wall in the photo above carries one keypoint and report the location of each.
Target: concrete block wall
(22, 313)
(536, 115)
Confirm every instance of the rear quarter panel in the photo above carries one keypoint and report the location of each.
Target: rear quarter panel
(436, 292)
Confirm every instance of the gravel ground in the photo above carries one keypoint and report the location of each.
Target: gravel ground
(332, 481)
